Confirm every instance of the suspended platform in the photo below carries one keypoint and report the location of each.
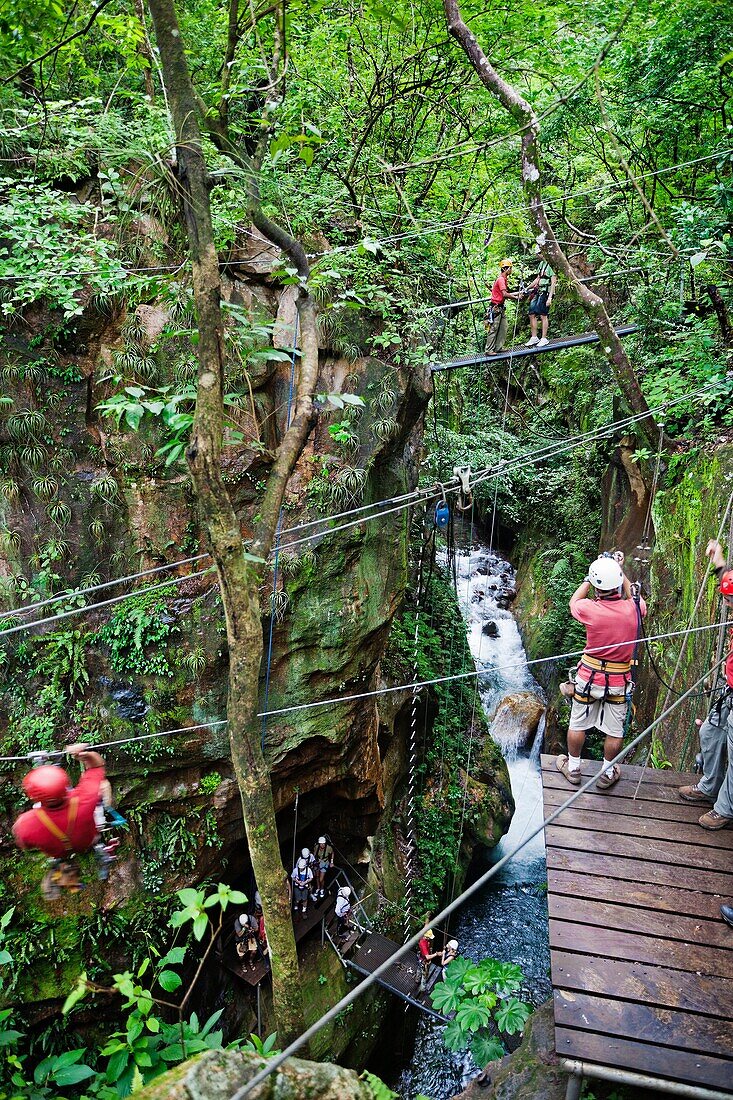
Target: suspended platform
(522, 352)
(642, 962)
(317, 911)
(402, 978)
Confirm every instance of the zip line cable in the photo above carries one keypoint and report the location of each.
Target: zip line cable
(275, 1062)
(427, 230)
(386, 690)
(552, 450)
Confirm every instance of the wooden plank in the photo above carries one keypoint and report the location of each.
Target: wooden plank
(631, 1020)
(651, 776)
(646, 922)
(667, 899)
(625, 788)
(678, 832)
(638, 848)
(656, 951)
(630, 870)
(602, 804)
(656, 985)
(677, 1065)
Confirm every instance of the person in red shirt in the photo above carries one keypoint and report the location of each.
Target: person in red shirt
(496, 316)
(612, 621)
(62, 822)
(716, 733)
(426, 957)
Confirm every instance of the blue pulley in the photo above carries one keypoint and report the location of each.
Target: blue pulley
(442, 515)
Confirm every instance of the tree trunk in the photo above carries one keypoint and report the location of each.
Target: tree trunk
(523, 114)
(239, 578)
(721, 313)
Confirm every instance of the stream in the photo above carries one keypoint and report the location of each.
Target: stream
(506, 920)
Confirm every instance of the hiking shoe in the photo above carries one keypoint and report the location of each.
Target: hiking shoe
(533, 340)
(694, 794)
(606, 779)
(562, 766)
(726, 912)
(713, 820)
(543, 342)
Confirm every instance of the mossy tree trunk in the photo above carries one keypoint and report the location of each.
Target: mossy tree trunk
(521, 111)
(239, 575)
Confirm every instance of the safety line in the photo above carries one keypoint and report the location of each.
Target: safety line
(398, 687)
(275, 1062)
(479, 672)
(552, 450)
(121, 741)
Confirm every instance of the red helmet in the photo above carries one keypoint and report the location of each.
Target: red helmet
(726, 583)
(46, 784)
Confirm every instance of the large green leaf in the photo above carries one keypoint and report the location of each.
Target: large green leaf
(446, 998)
(486, 1048)
(512, 1015)
(454, 1037)
(472, 1015)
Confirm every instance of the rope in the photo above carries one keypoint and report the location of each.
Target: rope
(386, 690)
(380, 971)
(278, 530)
(412, 752)
(405, 500)
(122, 741)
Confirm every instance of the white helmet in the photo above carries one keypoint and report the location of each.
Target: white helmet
(302, 864)
(453, 944)
(321, 840)
(605, 574)
(344, 891)
(306, 853)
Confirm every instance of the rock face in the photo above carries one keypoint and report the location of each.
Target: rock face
(517, 718)
(532, 1072)
(218, 1075)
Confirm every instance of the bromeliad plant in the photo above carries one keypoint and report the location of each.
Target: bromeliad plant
(480, 998)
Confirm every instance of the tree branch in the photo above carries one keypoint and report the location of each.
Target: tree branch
(59, 45)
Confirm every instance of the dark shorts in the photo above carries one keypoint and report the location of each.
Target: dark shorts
(538, 305)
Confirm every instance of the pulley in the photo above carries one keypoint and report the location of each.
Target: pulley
(442, 514)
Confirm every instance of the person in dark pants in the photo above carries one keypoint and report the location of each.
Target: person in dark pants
(715, 788)
(541, 291)
(496, 316)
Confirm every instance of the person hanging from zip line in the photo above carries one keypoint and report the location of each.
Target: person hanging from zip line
(603, 680)
(541, 293)
(495, 323)
(62, 822)
(715, 788)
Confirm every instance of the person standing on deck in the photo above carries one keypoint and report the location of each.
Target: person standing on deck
(495, 323)
(541, 292)
(612, 620)
(716, 733)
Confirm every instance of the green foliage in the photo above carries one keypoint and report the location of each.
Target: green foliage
(264, 1047)
(209, 784)
(480, 999)
(135, 634)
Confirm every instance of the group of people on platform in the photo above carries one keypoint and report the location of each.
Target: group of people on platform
(601, 689)
(540, 292)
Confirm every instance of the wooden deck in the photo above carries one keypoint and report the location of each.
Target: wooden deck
(642, 962)
(302, 926)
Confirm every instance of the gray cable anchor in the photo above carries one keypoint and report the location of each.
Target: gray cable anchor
(465, 496)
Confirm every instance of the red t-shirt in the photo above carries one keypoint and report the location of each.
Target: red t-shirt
(499, 290)
(30, 831)
(424, 947)
(611, 627)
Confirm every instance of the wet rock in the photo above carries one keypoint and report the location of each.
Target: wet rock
(532, 1072)
(128, 697)
(217, 1075)
(490, 629)
(517, 718)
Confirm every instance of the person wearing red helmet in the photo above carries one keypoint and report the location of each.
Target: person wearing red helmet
(62, 821)
(715, 787)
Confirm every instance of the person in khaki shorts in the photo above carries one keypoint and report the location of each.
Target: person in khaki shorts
(612, 620)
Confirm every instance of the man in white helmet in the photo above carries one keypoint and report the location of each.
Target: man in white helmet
(612, 620)
(323, 856)
(343, 911)
(302, 876)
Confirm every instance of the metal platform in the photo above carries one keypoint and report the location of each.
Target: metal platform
(522, 352)
(642, 963)
(302, 926)
(402, 978)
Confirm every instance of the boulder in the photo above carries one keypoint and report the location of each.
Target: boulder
(217, 1075)
(490, 629)
(532, 1072)
(517, 718)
